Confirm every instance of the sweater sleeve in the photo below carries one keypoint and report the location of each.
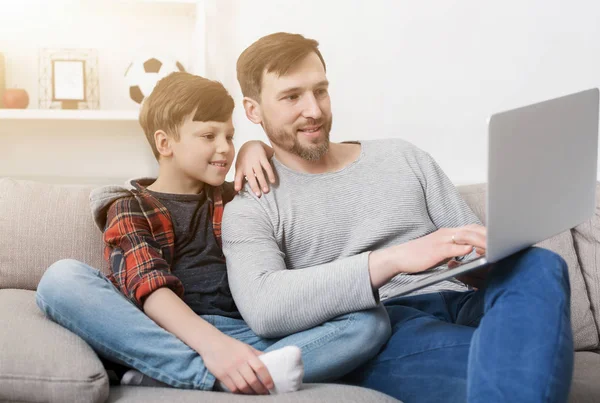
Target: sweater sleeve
(275, 301)
(446, 207)
(135, 257)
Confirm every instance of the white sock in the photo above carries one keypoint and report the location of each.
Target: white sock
(136, 378)
(286, 368)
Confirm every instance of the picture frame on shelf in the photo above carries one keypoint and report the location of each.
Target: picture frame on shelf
(2, 78)
(68, 79)
(68, 82)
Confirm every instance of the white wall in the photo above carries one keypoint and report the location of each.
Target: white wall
(83, 151)
(120, 31)
(430, 72)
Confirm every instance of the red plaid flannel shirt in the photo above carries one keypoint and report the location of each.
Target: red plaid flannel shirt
(140, 241)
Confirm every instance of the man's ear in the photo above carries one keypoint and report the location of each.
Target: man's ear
(163, 143)
(252, 109)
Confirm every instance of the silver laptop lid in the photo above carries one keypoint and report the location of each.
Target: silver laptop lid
(542, 171)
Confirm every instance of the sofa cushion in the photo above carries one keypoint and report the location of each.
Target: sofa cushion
(585, 387)
(585, 333)
(40, 224)
(41, 361)
(586, 238)
(312, 393)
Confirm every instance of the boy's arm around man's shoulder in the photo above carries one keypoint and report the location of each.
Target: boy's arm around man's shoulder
(134, 255)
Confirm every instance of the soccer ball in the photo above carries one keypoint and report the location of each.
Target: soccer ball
(142, 75)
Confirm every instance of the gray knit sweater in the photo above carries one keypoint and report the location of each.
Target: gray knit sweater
(298, 256)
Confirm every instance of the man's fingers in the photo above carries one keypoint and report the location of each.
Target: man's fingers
(477, 228)
(263, 373)
(463, 237)
(457, 249)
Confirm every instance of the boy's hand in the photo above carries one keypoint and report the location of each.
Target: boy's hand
(252, 163)
(236, 365)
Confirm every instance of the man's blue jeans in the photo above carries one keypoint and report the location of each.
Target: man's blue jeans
(508, 342)
(84, 301)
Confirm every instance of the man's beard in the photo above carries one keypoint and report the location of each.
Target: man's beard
(289, 142)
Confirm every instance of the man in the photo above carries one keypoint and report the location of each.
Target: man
(348, 223)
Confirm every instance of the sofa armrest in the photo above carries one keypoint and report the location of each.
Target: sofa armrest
(41, 361)
(585, 294)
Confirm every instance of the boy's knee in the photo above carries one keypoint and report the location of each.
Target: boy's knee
(372, 328)
(58, 278)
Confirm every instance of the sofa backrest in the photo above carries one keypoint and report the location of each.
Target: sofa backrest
(40, 224)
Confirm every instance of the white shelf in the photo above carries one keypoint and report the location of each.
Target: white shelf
(60, 114)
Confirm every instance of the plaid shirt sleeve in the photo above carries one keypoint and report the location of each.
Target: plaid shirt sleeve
(135, 257)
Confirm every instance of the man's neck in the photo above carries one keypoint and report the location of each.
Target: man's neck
(337, 157)
(172, 182)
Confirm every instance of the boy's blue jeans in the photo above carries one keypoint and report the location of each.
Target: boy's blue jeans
(83, 300)
(508, 342)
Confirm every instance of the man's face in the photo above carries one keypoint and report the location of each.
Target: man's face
(296, 109)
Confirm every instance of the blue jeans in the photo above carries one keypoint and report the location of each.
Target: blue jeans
(83, 300)
(511, 341)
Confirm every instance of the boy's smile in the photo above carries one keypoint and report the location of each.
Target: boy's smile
(205, 150)
(203, 154)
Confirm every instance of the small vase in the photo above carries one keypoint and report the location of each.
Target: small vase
(15, 98)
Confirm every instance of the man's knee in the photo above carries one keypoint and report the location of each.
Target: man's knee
(547, 265)
(541, 269)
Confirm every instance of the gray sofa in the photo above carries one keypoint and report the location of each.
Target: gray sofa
(42, 362)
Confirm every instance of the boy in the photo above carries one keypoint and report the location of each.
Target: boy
(163, 244)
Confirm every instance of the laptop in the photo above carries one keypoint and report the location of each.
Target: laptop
(542, 172)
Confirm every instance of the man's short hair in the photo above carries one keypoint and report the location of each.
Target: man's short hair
(177, 96)
(274, 53)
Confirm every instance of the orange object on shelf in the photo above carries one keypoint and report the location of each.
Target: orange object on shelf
(15, 98)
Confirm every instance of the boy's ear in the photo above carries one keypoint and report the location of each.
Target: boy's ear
(163, 143)
(252, 109)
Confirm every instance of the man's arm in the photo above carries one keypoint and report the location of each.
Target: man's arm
(276, 301)
(447, 208)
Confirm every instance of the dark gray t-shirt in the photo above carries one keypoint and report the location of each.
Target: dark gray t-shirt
(199, 262)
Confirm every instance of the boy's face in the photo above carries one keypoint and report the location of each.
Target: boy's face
(295, 109)
(205, 150)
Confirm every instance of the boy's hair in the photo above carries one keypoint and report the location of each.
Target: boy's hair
(178, 95)
(276, 53)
